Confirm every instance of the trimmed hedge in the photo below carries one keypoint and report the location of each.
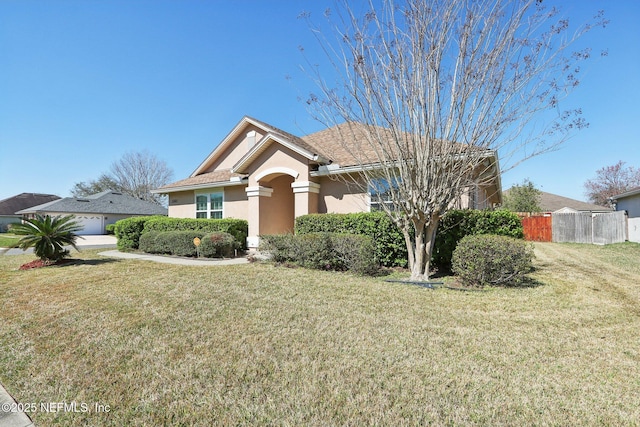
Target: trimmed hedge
(388, 243)
(488, 259)
(179, 243)
(238, 228)
(323, 251)
(459, 223)
(129, 230)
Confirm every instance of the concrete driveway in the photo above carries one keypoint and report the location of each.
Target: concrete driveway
(83, 242)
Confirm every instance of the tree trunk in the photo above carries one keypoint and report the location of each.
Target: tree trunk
(420, 248)
(417, 269)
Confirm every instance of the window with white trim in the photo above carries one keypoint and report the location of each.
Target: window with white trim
(210, 205)
(379, 194)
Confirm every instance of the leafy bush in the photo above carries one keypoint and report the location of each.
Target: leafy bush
(110, 228)
(218, 245)
(356, 253)
(129, 230)
(489, 259)
(179, 243)
(389, 245)
(238, 228)
(148, 243)
(323, 251)
(459, 223)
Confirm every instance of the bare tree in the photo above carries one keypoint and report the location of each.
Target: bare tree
(611, 181)
(103, 183)
(433, 90)
(138, 173)
(135, 174)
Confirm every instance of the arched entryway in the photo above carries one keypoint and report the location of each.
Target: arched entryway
(277, 212)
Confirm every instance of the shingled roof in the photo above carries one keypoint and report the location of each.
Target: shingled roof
(549, 202)
(323, 147)
(107, 202)
(22, 201)
(220, 176)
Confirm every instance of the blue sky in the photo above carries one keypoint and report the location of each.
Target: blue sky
(83, 82)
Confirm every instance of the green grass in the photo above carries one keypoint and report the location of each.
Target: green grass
(262, 345)
(8, 240)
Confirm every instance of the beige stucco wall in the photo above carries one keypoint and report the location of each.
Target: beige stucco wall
(183, 204)
(336, 197)
(236, 203)
(238, 148)
(278, 156)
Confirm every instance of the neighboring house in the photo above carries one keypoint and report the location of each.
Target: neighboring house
(559, 204)
(97, 211)
(11, 205)
(630, 202)
(269, 177)
(552, 203)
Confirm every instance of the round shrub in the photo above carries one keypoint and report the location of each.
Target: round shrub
(314, 250)
(459, 223)
(218, 245)
(488, 259)
(323, 251)
(356, 253)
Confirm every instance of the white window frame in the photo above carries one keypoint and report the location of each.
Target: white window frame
(375, 202)
(209, 210)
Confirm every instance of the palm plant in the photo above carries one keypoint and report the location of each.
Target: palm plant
(48, 235)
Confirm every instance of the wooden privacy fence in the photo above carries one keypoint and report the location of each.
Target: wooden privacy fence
(585, 227)
(537, 228)
(579, 227)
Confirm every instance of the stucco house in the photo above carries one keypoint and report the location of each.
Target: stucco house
(269, 177)
(630, 202)
(97, 211)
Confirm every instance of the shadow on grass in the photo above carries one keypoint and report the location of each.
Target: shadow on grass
(94, 262)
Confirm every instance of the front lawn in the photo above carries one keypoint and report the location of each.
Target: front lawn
(8, 240)
(262, 345)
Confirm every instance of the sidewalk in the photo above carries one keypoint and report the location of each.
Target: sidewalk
(10, 417)
(175, 260)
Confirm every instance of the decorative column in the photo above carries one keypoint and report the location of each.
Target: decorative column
(254, 194)
(306, 197)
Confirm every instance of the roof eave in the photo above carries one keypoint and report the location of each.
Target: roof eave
(223, 144)
(219, 184)
(264, 143)
(630, 193)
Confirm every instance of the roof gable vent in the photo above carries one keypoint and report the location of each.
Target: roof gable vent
(251, 139)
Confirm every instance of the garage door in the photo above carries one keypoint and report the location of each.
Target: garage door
(91, 224)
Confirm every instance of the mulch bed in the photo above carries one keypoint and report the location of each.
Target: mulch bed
(38, 263)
